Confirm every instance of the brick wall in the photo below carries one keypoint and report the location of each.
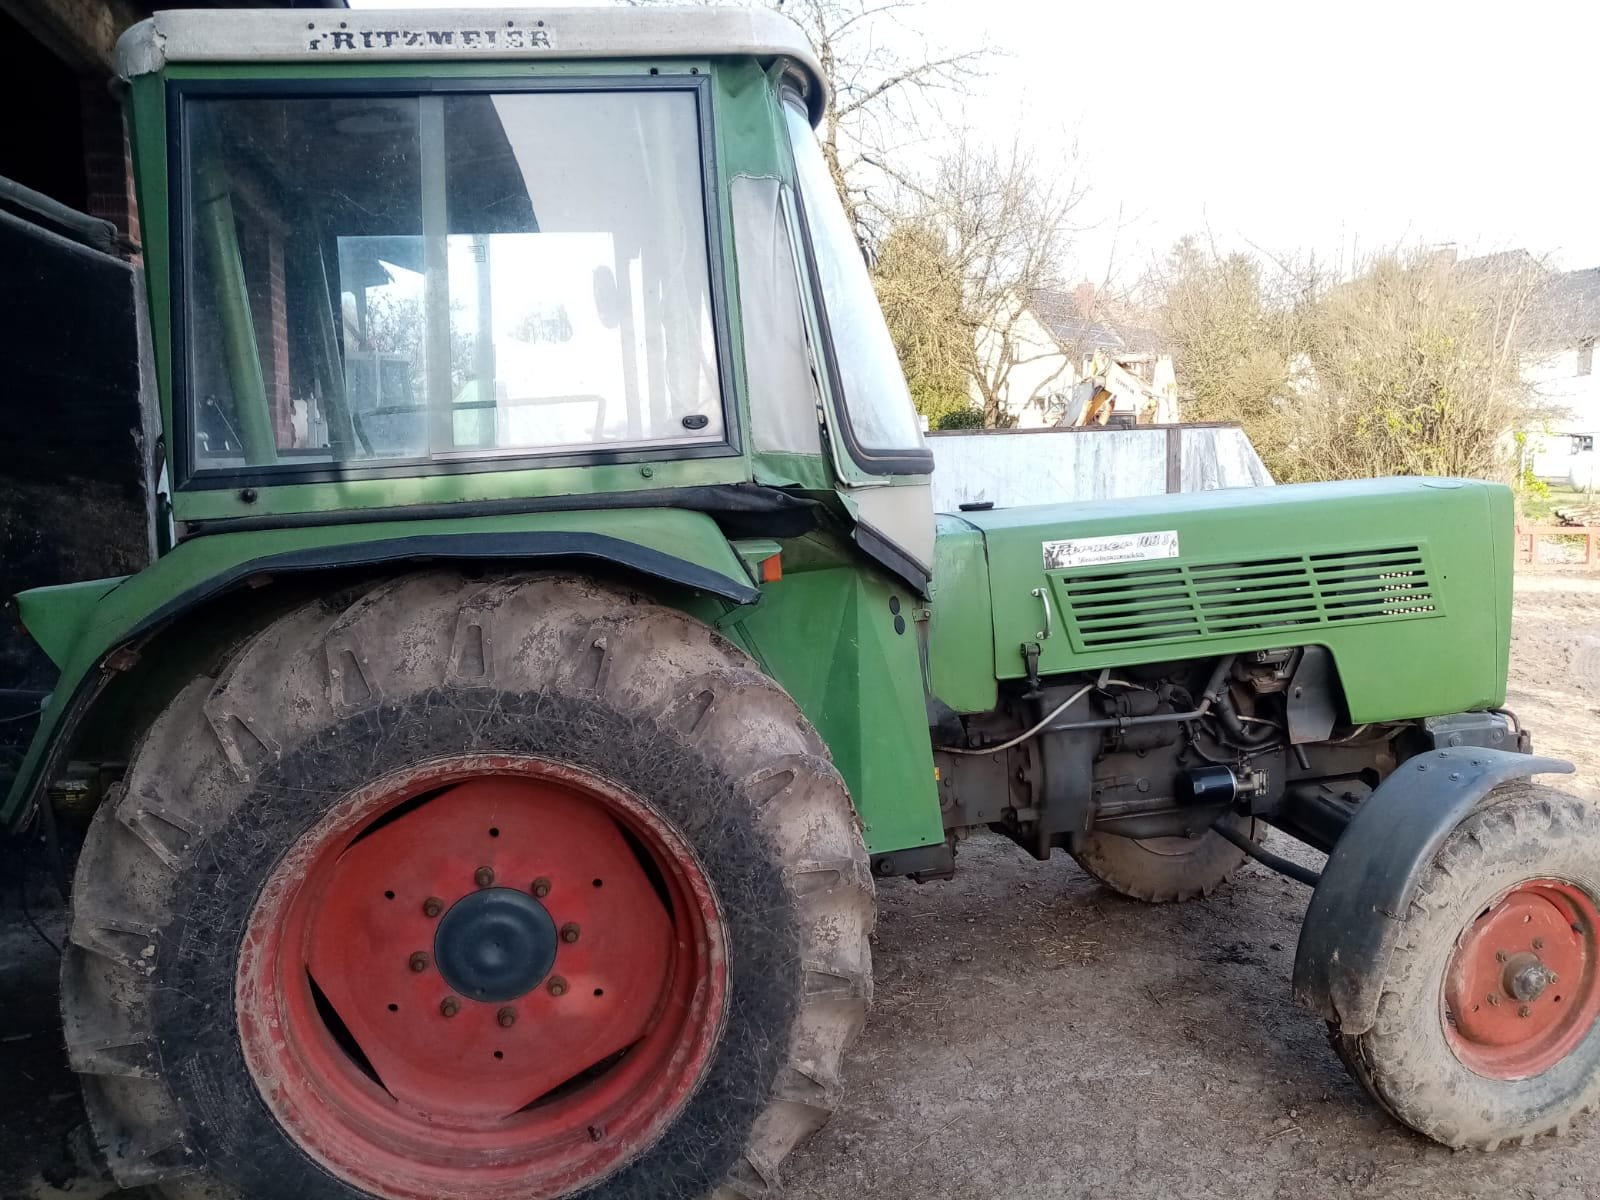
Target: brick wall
(107, 161)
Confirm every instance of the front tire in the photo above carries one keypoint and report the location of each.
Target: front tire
(289, 972)
(1486, 1029)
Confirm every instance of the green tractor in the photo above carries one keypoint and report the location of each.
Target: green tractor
(553, 638)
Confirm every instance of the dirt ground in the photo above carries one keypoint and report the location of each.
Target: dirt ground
(1036, 1036)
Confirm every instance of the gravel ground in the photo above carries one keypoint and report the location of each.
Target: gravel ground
(1036, 1036)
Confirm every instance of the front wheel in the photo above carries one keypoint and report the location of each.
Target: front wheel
(1161, 870)
(1487, 1030)
(517, 889)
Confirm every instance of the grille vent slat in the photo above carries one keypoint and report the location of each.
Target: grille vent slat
(1105, 610)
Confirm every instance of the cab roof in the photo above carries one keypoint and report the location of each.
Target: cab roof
(258, 35)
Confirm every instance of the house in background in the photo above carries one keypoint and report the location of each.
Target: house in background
(1071, 366)
(1560, 370)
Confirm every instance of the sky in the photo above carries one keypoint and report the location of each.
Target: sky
(1344, 127)
(1341, 126)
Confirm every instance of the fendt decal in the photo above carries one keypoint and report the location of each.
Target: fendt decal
(1115, 548)
(430, 39)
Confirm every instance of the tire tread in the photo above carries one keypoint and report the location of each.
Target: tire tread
(1523, 821)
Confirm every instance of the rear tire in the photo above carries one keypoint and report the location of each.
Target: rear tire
(1525, 867)
(1167, 869)
(191, 1052)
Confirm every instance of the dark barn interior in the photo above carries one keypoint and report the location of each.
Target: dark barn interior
(78, 486)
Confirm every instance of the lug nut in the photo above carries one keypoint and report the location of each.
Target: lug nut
(557, 986)
(507, 1017)
(483, 877)
(449, 1006)
(1494, 998)
(1500, 956)
(1538, 943)
(569, 932)
(419, 961)
(432, 906)
(1524, 1011)
(541, 887)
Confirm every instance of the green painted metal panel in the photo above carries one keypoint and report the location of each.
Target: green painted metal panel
(147, 141)
(830, 638)
(536, 482)
(1496, 554)
(54, 616)
(961, 623)
(1384, 573)
(199, 565)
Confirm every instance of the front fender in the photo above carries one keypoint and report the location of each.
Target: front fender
(672, 545)
(1360, 904)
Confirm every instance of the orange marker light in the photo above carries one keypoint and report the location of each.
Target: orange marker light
(772, 569)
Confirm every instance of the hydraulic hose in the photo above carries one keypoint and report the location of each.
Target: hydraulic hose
(1265, 857)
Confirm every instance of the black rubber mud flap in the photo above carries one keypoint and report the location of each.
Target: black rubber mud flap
(1357, 910)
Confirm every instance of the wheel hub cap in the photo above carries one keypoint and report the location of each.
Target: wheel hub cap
(497, 944)
(1526, 977)
(488, 947)
(494, 977)
(1522, 986)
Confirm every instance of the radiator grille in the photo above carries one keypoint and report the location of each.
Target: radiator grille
(1106, 609)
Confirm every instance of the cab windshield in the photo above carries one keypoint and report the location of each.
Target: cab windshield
(881, 429)
(382, 280)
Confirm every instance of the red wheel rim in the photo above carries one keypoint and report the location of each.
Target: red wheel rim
(355, 993)
(1521, 988)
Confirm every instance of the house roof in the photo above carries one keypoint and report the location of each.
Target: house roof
(1057, 312)
(1498, 263)
(1566, 308)
(1571, 305)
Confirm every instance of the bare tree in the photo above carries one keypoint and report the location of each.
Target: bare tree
(395, 324)
(963, 265)
(1415, 368)
(1230, 323)
(1009, 227)
(886, 78)
(1410, 366)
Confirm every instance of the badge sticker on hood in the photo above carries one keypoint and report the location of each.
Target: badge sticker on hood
(1117, 548)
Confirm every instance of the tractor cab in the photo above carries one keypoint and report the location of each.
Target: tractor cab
(414, 260)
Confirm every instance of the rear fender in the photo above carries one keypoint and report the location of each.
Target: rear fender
(1359, 907)
(673, 546)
